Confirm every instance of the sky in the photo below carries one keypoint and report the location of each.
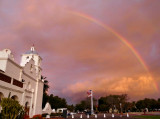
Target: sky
(108, 46)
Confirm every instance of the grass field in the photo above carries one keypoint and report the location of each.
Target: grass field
(148, 116)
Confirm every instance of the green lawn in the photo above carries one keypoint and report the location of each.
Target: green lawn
(149, 116)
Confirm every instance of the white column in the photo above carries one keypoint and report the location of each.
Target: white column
(31, 105)
(35, 98)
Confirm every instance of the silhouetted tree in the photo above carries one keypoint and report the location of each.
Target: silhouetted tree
(57, 102)
(151, 104)
(113, 101)
(45, 90)
(85, 104)
(70, 107)
(46, 86)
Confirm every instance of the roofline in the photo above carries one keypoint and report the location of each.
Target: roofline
(12, 61)
(33, 54)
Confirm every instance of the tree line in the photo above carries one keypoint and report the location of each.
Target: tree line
(55, 101)
(120, 103)
(103, 104)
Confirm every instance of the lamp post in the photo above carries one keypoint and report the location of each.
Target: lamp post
(121, 107)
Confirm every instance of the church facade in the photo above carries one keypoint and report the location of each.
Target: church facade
(23, 82)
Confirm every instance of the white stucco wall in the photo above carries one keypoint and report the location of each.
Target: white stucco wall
(30, 71)
(32, 91)
(6, 53)
(39, 97)
(37, 60)
(25, 60)
(3, 64)
(6, 88)
(13, 70)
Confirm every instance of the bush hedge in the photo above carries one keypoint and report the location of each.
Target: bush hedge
(55, 114)
(37, 116)
(11, 109)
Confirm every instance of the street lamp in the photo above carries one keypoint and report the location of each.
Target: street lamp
(121, 107)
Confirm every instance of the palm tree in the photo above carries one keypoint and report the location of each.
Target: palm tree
(46, 86)
(45, 90)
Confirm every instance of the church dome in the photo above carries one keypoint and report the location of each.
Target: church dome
(32, 51)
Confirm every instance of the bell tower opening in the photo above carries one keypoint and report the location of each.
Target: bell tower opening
(32, 48)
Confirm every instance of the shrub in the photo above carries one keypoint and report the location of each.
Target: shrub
(1, 116)
(26, 117)
(11, 109)
(44, 115)
(56, 114)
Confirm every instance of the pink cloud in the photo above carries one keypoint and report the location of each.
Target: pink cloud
(136, 88)
(76, 51)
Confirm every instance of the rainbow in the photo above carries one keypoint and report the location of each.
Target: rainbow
(119, 36)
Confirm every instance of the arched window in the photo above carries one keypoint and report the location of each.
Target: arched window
(31, 68)
(27, 57)
(14, 97)
(26, 104)
(27, 108)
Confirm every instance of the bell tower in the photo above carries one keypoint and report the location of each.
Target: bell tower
(32, 54)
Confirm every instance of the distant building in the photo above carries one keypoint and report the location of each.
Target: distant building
(22, 81)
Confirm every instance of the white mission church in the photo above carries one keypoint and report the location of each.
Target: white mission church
(22, 81)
